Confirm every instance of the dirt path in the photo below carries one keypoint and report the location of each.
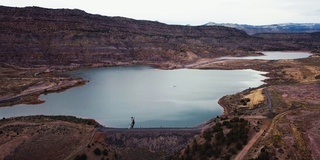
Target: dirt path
(246, 148)
(82, 147)
(31, 90)
(204, 62)
(255, 117)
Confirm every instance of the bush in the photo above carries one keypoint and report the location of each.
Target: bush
(264, 155)
(217, 152)
(239, 146)
(235, 119)
(207, 135)
(187, 151)
(97, 151)
(232, 151)
(105, 152)
(209, 152)
(227, 157)
(81, 157)
(217, 128)
(195, 146)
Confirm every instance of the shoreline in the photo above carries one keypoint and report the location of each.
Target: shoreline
(32, 96)
(67, 81)
(75, 82)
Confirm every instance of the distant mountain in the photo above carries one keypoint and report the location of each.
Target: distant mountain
(273, 28)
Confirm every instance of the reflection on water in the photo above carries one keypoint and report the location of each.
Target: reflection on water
(167, 98)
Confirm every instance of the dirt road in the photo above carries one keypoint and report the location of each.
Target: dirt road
(246, 148)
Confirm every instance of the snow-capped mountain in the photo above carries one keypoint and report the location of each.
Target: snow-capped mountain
(273, 28)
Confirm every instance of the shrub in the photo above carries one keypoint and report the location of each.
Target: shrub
(194, 146)
(235, 119)
(239, 146)
(97, 151)
(105, 152)
(187, 151)
(81, 157)
(232, 151)
(209, 152)
(264, 155)
(227, 157)
(207, 135)
(217, 127)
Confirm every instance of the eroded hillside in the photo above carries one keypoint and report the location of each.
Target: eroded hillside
(35, 35)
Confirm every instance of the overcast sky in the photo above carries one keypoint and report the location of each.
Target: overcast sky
(197, 12)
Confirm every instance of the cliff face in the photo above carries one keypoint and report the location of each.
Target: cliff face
(35, 35)
(39, 36)
(297, 41)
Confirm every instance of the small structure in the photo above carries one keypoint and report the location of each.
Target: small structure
(132, 123)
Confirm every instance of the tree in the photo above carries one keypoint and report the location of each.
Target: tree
(232, 151)
(187, 151)
(97, 151)
(264, 155)
(217, 127)
(194, 146)
(207, 135)
(81, 157)
(105, 152)
(239, 146)
(227, 157)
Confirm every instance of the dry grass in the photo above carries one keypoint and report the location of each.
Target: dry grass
(256, 97)
(302, 147)
(302, 73)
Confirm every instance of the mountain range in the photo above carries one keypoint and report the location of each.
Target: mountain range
(273, 28)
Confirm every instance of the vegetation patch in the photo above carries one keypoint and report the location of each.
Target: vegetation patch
(224, 140)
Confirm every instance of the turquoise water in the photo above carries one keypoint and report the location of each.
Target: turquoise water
(167, 98)
(275, 55)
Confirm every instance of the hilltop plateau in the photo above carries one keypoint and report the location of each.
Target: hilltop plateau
(37, 36)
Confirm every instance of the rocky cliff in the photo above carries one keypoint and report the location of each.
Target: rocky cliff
(300, 41)
(35, 35)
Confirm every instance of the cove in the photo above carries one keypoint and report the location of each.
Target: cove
(156, 98)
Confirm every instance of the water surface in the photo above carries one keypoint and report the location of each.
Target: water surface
(275, 55)
(167, 98)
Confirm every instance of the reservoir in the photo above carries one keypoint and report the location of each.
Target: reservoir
(156, 98)
(275, 55)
